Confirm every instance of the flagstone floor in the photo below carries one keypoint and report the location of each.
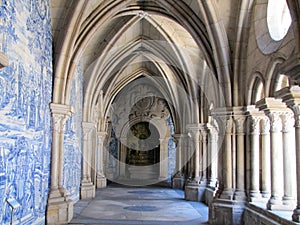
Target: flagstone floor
(140, 206)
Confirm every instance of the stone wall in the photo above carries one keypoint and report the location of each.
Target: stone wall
(73, 140)
(25, 121)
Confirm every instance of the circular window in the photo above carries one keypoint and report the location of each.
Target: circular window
(278, 19)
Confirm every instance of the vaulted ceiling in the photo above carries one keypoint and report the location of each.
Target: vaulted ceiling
(116, 41)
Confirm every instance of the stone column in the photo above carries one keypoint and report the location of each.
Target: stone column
(163, 161)
(178, 179)
(204, 157)
(100, 177)
(87, 187)
(227, 192)
(213, 156)
(273, 108)
(265, 158)
(193, 190)
(60, 207)
(288, 160)
(240, 158)
(254, 158)
(194, 131)
(291, 96)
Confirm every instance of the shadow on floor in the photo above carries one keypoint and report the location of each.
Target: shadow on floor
(148, 205)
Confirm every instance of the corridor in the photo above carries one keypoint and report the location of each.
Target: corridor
(140, 206)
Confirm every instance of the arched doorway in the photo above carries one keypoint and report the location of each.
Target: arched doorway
(143, 152)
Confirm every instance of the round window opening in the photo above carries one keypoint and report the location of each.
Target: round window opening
(278, 18)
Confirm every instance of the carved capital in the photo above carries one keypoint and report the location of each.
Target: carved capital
(101, 137)
(265, 129)
(240, 124)
(87, 128)
(229, 125)
(60, 114)
(275, 121)
(287, 121)
(255, 124)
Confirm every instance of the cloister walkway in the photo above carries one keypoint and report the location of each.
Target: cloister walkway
(140, 206)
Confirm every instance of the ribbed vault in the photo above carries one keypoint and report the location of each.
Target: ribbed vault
(115, 42)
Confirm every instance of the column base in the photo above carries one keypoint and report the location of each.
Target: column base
(210, 194)
(87, 190)
(239, 195)
(255, 196)
(59, 210)
(194, 191)
(227, 194)
(296, 215)
(226, 212)
(266, 194)
(289, 201)
(101, 182)
(277, 204)
(178, 181)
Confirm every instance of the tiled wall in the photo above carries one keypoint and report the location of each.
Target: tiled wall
(72, 142)
(25, 121)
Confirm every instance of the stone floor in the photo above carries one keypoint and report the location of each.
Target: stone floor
(140, 206)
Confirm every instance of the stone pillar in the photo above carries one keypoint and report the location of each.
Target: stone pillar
(204, 156)
(100, 177)
(60, 206)
(288, 160)
(193, 190)
(178, 179)
(254, 158)
(194, 131)
(239, 193)
(227, 192)
(265, 158)
(291, 96)
(224, 209)
(212, 164)
(273, 108)
(213, 156)
(163, 174)
(87, 187)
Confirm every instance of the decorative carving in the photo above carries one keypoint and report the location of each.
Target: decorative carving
(229, 125)
(255, 124)
(287, 121)
(265, 128)
(25, 126)
(239, 122)
(275, 121)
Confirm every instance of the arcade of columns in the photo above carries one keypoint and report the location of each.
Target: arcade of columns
(259, 168)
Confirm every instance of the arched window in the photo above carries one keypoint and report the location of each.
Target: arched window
(278, 19)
